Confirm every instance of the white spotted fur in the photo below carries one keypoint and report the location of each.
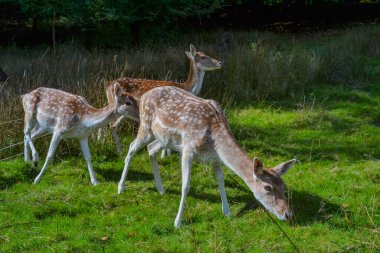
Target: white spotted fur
(69, 116)
(198, 129)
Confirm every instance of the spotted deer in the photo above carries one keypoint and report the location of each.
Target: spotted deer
(199, 64)
(69, 116)
(197, 128)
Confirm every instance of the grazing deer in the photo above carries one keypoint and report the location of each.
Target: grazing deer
(198, 129)
(199, 64)
(69, 116)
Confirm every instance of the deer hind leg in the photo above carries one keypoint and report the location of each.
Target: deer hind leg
(220, 179)
(52, 148)
(28, 143)
(37, 130)
(87, 157)
(153, 149)
(187, 158)
(141, 140)
(166, 152)
(115, 127)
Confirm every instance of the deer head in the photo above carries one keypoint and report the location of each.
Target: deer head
(126, 105)
(202, 61)
(269, 188)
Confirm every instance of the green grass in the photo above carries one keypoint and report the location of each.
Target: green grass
(333, 189)
(315, 98)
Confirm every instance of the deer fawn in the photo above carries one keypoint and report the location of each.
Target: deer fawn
(198, 129)
(199, 64)
(69, 116)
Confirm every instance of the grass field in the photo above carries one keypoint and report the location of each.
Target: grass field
(333, 129)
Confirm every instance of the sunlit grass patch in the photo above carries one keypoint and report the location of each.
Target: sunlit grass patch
(332, 130)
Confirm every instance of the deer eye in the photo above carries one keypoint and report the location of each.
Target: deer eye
(268, 188)
(128, 103)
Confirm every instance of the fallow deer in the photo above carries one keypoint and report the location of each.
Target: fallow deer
(69, 116)
(198, 129)
(199, 64)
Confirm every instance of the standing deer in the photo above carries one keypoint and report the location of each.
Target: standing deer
(198, 129)
(199, 64)
(69, 116)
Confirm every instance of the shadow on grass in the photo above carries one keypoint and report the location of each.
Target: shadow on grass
(26, 174)
(270, 140)
(7, 182)
(338, 114)
(308, 208)
(114, 175)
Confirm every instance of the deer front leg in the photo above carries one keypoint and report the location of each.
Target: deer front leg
(115, 127)
(52, 148)
(187, 158)
(87, 157)
(220, 179)
(135, 146)
(153, 149)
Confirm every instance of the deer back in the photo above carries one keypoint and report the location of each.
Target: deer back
(171, 112)
(55, 108)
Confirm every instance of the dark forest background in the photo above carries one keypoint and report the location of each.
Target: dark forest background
(120, 23)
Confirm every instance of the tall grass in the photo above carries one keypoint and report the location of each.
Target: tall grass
(257, 66)
(277, 66)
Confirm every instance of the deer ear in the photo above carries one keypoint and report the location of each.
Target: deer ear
(193, 51)
(191, 57)
(137, 100)
(257, 167)
(118, 89)
(282, 168)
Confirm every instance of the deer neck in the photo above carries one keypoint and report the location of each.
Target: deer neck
(232, 155)
(195, 79)
(96, 118)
